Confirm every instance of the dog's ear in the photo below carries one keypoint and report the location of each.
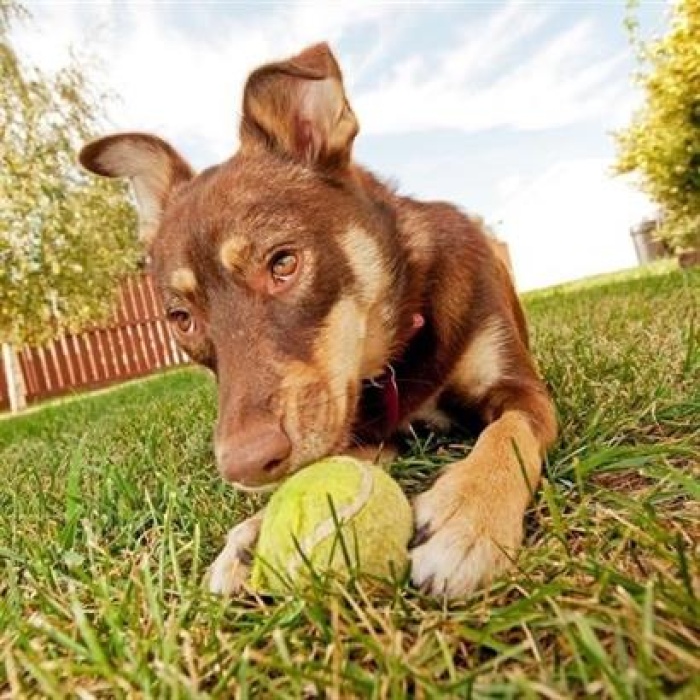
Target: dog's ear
(299, 108)
(153, 166)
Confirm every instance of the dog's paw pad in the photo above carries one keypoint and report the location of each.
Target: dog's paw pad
(420, 536)
(228, 575)
(460, 543)
(231, 569)
(454, 564)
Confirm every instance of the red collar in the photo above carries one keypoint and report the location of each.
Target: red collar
(386, 383)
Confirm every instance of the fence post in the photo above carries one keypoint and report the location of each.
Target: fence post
(15, 380)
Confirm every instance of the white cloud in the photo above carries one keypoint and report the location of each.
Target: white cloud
(185, 86)
(488, 79)
(572, 222)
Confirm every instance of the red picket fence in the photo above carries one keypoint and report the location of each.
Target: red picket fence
(4, 392)
(134, 343)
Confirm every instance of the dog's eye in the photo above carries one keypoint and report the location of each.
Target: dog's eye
(182, 319)
(283, 266)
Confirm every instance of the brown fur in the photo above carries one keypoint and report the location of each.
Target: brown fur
(360, 264)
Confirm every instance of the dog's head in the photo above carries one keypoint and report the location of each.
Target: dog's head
(274, 267)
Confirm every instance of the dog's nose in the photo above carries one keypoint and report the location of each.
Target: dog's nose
(255, 457)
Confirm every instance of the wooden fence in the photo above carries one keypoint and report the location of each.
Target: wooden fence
(134, 343)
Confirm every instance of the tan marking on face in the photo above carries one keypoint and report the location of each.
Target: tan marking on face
(363, 256)
(317, 397)
(183, 280)
(339, 351)
(234, 252)
(482, 365)
(296, 377)
(365, 259)
(307, 413)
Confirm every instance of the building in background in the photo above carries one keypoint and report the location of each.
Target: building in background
(646, 245)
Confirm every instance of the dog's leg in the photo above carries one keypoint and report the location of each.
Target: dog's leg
(470, 523)
(231, 569)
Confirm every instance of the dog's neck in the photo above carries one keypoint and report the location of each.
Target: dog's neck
(398, 314)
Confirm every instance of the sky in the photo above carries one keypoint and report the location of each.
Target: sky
(505, 108)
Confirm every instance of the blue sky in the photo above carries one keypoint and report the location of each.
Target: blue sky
(504, 108)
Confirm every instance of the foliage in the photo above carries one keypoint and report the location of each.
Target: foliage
(112, 510)
(64, 236)
(662, 143)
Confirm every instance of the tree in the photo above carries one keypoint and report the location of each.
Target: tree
(65, 237)
(662, 143)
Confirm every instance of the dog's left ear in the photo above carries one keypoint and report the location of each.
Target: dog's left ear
(154, 167)
(299, 108)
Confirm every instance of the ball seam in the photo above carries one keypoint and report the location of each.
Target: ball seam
(328, 527)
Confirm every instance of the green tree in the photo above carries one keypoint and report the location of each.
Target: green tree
(662, 143)
(65, 237)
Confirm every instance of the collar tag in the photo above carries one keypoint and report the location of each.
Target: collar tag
(386, 383)
(387, 387)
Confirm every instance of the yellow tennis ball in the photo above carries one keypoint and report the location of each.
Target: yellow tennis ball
(338, 514)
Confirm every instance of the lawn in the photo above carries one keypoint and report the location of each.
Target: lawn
(111, 510)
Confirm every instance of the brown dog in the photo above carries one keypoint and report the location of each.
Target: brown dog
(332, 309)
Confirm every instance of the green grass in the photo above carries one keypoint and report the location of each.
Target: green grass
(658, 267)
(111, 510)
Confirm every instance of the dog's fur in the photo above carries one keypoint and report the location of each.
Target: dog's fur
(296, 275)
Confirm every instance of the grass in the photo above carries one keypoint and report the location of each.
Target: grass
(110, 511)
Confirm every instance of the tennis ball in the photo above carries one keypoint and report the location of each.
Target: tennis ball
(338, 514)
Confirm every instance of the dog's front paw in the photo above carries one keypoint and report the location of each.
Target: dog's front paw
(231, 569)
(465, 536)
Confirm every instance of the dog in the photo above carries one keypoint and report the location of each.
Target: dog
(333, 311)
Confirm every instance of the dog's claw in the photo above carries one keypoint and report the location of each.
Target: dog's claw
(420, 536)
(469, 541)
(229, 572)
(426, 587)
(246, 557)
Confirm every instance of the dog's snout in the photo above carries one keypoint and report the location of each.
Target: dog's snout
(254, 457)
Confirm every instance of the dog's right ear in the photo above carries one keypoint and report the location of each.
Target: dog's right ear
(153, 166)
(299, 109)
